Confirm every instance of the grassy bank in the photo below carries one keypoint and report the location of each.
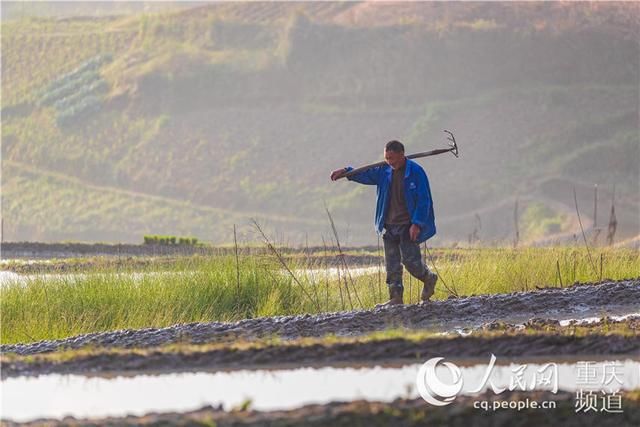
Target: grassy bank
(220, 288)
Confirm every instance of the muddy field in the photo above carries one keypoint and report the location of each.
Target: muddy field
(577, 301)
(400, 412)
(595, 321)
(537, 339)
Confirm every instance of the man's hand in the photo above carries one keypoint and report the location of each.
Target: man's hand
(414, 231)
(338, 173)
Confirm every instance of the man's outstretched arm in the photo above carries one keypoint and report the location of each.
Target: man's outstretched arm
(368, 177)
(338, 173)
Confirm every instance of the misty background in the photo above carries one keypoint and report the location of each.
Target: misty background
(125, 119)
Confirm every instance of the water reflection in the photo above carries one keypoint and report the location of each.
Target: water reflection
(56, 396)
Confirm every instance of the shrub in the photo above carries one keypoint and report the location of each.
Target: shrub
(169, 240)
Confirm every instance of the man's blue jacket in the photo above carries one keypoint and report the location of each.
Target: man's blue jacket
(416, 193)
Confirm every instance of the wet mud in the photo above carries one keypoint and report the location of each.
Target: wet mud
(577, 301)
(400, 412)
(555, 342)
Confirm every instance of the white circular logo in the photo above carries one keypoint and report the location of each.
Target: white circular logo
(432, 389)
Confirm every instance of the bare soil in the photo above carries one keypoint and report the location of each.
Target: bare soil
(537, 338)
(400, 412)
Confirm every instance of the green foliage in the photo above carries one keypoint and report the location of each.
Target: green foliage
(247, 111)
(539, 220)
(83, 108)
(197, 290)
(59, 92)
(480, 25)
(88, 68)
(76, 94)
(503, 270)
(245, 405)
(97, 86)
(201, 289)
(163, 121)
(169, 240)
(68, 83)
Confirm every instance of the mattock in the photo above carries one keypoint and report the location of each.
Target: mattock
(453, 149)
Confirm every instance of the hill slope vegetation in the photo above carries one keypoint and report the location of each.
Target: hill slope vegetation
(189, 121)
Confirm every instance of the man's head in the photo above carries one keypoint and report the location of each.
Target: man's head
(394, 154)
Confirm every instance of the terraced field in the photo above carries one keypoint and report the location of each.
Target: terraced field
(203, 105)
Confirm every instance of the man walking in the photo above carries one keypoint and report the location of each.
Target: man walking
(404, 210)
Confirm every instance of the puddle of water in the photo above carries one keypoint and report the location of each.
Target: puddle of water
(465, 331)
(9, 278)
(317, 274)
(56, 396)
(616, 312)
(596, 319)
(24, 261)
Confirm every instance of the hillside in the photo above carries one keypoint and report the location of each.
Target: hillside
(190, 121)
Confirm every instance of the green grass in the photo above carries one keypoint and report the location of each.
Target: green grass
(488, 271)
(466, 272)
(200, 289)
(110, 300)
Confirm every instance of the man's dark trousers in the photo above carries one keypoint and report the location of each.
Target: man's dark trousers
(400, 250)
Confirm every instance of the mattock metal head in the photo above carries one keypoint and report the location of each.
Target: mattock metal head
(452, 143)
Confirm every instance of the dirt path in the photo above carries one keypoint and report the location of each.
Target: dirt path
(578, 301)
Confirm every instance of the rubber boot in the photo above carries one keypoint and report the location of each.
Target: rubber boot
(429, 280)
(395, 297)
